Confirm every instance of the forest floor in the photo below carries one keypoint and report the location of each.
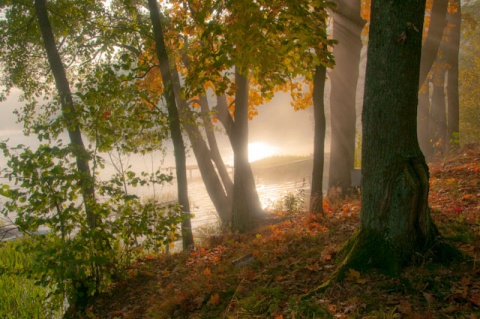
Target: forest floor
(267, 273)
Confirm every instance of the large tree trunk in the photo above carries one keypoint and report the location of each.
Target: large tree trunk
(396, 226)
(69, 113)
(178, 145)
(347, 29)
(451, 56)
(316, 198)
(246, 204)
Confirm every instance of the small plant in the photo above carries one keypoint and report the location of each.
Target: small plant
(294, 202)
(74, 259)
(20, 297)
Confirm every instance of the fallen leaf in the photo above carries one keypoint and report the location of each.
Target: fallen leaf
(428, 297)
(353, 275)
(450, 309)
(214, 299)
(207, 272)
(405, 307)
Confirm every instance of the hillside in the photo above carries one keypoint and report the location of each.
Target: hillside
(267, 273)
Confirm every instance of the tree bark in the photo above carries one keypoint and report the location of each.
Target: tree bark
(176, 133)
(69, 113)
(451, 56)
(246, 204)
(316, 198)
(395, 223)
(347, 29)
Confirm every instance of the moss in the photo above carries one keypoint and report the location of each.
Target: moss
(368, 250)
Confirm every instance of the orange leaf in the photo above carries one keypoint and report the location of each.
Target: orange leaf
(280, 316)
(214, 299)
(207, 272)
(404, 307)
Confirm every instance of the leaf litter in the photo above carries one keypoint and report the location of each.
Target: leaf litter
(265, 274)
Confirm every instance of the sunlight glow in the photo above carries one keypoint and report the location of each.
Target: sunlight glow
(259, 150)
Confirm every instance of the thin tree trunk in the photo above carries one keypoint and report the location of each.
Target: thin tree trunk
(439, 113)
(178, 144)
(69, 113)
(451, 56)
(432, 42)
(246, 204)
(219, 190)
(347, 29)
(215, 152)
(423, 122)
(203, 155)
(316, 198)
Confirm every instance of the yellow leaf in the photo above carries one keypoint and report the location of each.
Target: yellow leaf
(214, 299)
(353, 275)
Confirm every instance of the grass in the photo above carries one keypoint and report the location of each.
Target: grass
(19, 296)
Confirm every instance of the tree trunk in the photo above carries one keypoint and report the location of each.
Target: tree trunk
(178, 145)
(423, 122)
(316, 198)
(432, 42)
(246, 204)
(451, 56)
(203, 155)
(69, 113)
(395, 223)
(439, 112)
(219, 190)
(215, 152)
(347, 29)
